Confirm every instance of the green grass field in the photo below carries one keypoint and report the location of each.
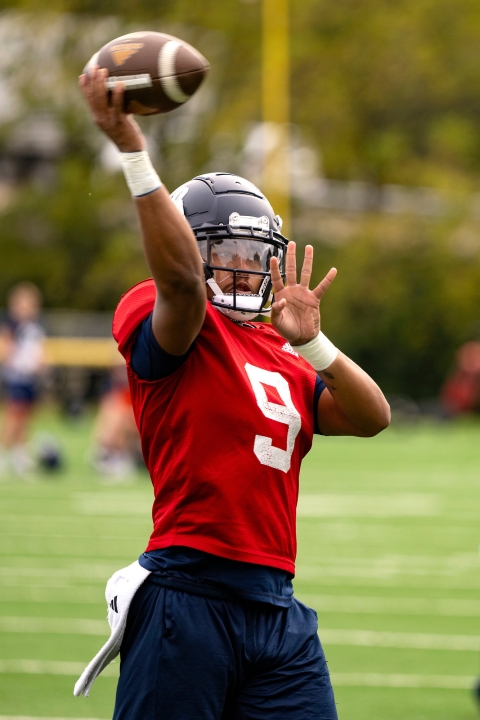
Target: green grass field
(389, 532)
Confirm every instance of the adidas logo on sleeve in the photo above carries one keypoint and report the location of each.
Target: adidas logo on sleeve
(288, 348)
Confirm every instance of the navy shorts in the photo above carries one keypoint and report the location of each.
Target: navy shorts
(191, 657)
(25, 393)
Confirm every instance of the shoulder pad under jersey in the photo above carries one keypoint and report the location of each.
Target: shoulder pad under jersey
(133, 308)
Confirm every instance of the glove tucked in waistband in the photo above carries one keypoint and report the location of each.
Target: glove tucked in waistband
(119, 593)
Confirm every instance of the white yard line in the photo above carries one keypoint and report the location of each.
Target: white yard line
(45, 667)
(49, 667)
(92, 572)
(453, 565)
(447, 682)
(36, 717)
(364, 638)
(373, 505)
(417, 641)
(69, 520)
(457, 571)
(392, 582)
(384, 566)
(61, 626)
(108, 504)
(90, 595)
(309, 505)
(361, 604)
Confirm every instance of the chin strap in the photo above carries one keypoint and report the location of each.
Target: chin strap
(211, 283)
(217, 291)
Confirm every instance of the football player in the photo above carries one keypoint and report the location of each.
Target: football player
(22, 354)
(226, 410)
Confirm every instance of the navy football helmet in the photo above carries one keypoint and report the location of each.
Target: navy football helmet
(237, 233)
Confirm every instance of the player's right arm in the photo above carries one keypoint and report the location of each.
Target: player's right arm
(169, 243)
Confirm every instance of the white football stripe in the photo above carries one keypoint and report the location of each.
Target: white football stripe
(131, 82)
(166, 72)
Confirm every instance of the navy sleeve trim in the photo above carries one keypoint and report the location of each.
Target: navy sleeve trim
(319, 388)
(150, 361)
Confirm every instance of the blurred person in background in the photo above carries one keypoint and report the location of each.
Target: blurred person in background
(460, 394)
(22, 355)
(461, 390)
(116, 440)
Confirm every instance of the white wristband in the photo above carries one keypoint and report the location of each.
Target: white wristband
(319, 352)
(139, 172)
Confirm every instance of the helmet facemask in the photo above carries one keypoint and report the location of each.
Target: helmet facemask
(237, 264)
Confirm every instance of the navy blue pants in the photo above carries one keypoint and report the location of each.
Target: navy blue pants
(190, 657)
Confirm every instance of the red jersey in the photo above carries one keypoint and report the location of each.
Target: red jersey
(223, 437)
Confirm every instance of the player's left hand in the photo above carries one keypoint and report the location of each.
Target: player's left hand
(296, 310)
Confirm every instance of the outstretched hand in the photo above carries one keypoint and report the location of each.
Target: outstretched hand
(108, 112)
(296, 310)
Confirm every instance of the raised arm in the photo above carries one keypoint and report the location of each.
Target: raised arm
(169, 243)
(352, 404)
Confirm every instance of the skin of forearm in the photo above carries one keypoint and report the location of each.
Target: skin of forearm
(176, 266)
(357, 395)
(169, 243)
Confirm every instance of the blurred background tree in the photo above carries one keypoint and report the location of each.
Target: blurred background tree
(385, 160)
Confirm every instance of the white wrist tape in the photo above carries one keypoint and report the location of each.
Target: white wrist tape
(139, 172)
(319, 352)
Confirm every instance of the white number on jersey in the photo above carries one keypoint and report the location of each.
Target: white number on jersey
(287, 414)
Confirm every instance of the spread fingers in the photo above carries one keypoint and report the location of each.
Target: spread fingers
(291, 264)
(306, 273)
(324, 284)
(277, 282)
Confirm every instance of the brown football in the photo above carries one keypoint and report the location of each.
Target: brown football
(159, 72)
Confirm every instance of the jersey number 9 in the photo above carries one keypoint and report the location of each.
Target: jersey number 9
(287, 414)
